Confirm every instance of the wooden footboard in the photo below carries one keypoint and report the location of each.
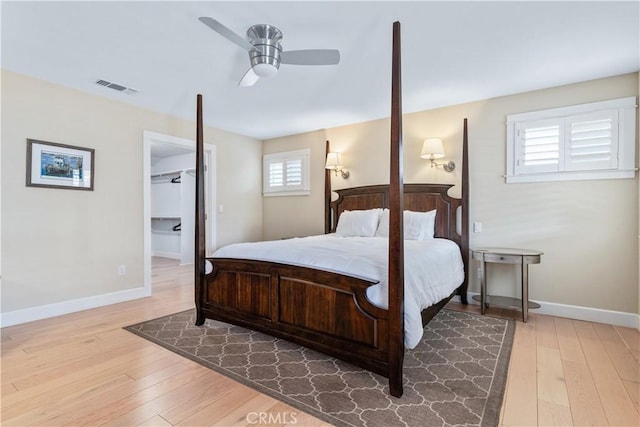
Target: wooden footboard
(322, 310)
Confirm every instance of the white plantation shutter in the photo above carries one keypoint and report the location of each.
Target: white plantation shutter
(294, 172)
(587, 141)
(286, 173)
(592, 141)
(276, 174)
(538, 146)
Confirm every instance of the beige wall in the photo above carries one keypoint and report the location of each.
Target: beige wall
(588, 230)
(60, 245)
(295, 216)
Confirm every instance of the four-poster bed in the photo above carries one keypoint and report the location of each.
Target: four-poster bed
(325, 310)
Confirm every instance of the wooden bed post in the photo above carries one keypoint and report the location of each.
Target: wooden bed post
(199, 254)
(264, 295)
(464, 243)
(327, 193)
(396, 227)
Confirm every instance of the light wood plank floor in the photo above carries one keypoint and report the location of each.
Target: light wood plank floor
(84, 369)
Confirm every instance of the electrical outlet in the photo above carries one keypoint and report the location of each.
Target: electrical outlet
(122, 270)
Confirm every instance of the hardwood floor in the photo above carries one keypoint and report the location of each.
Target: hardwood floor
(567, 372)
(84, 369)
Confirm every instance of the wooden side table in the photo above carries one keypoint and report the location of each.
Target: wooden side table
(522, 257)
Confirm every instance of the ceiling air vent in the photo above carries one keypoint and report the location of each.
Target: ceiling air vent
(115, 86)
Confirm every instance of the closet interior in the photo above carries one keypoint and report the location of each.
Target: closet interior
(172, 208)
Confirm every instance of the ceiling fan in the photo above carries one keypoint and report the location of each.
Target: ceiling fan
(265, 51)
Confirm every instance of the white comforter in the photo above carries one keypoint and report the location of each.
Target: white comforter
(433, 267)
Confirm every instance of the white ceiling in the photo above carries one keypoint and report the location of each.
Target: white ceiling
(161, 150)
(452, 52)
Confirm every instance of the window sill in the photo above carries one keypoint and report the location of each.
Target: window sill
(571, 176)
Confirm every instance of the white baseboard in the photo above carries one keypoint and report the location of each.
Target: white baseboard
(590, 314)
(65, 307)
(30, 314)
(171, 255)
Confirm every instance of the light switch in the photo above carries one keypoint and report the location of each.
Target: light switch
(477, 227)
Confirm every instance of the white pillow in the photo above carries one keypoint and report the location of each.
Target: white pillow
(383, 226)
(361, 223)
(417, 225)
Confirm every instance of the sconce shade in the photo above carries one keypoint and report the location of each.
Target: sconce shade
(432, 149)
(333, 161)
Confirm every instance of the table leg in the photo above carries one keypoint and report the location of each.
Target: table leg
(483, 286)
(525, 291)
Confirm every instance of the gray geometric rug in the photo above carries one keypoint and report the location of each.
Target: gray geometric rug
(455, 376)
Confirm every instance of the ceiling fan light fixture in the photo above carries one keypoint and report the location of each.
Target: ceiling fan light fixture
(265, 50)
(265, 70)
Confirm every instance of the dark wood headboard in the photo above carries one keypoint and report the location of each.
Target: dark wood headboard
(417, 197)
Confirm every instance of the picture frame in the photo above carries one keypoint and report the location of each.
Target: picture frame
(54, 165)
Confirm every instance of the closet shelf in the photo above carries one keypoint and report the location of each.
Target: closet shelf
(170, 232)
(165, 217)
(171, 172)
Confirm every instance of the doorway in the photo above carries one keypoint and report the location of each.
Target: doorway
(169, 198)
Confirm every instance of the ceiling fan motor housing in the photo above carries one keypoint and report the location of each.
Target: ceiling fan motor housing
(265, 61)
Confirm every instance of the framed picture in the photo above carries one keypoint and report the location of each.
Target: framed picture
(55, 165)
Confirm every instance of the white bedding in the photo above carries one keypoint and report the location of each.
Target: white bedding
(433, 267)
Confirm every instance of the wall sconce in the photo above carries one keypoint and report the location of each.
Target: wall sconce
(432, 149)
(333, 163)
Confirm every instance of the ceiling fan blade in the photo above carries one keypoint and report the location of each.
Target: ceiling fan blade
(226, 33)
(310, 57)
(249, 79)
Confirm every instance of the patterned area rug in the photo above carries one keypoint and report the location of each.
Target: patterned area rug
(455, 376)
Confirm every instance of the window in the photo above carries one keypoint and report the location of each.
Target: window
(286, 174)
(588, 141)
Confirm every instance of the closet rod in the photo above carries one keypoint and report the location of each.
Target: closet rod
(172, 172)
